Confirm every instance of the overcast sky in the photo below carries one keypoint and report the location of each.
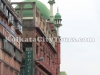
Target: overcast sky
(81, 18)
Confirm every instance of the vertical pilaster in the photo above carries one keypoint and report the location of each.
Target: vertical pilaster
(34, 13)
(58, 31)
(9, 70)
(2, 68)
(21, 10)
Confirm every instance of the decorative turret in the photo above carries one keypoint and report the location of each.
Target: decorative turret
(58, 16)
(58, 21)
(51, 2)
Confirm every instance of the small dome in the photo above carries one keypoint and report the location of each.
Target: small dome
(42, 7)
(57, 16)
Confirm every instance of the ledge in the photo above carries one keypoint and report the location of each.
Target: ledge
(9, 65)
(8, 29)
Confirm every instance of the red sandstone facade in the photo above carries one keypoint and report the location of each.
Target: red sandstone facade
(34, 27)
(10, 53)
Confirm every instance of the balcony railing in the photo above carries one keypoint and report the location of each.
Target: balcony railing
(3, 9)
(4, 12)
(18, 28)
(11, 19)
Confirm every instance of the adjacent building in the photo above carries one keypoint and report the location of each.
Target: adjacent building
(35, 49)
(10, 28)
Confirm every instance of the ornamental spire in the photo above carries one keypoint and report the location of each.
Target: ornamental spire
(57, 10)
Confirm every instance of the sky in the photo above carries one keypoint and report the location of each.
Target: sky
(80, 19)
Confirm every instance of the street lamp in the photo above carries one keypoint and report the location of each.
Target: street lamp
(40, 59)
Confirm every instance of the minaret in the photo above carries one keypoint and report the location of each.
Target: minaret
(58, 21)
(51, 2)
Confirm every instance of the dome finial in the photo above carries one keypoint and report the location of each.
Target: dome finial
(58, 16)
